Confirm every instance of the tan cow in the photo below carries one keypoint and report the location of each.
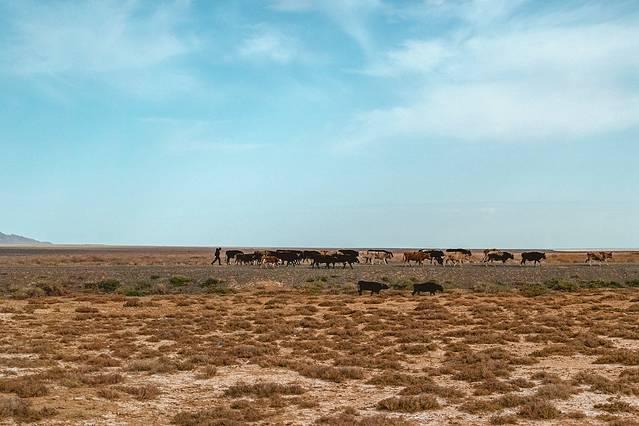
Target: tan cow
(377, 255)
(455, 258)
(598, 256)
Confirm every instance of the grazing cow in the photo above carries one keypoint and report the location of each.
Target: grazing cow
(372, 286)
(230, 254)
(598, 256)
(430, 287)
(532, 256)
(502, 256)
(415, 256)
(381, 255)
(270, 261)
(455, 258)
(434, 256)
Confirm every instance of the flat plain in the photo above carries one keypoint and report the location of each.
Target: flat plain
(95, 335)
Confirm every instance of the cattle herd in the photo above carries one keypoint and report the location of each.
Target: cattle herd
(344, 257)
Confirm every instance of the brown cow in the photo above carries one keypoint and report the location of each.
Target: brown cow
(270, 261)
(415, 256)
(598, 256)
(455, 258)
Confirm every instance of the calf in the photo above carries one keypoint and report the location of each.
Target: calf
(532, 256)
(372, 286)
(270, 262)
(430, 287)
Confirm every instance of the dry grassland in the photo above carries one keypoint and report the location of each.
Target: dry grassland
(315, 353)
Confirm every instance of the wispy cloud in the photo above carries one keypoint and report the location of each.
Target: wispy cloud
(102, 40)
(267, 44)
(527, 79)
(351, 16)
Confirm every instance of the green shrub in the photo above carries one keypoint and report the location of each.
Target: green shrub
(533, 290)
(210, 282)
(179, 280)
(108, 286)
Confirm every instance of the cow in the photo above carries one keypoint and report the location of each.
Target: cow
(455, 258)
(598, 256)
(430, 287)
(486, 251)
(415, 256)
(345, 259)
(466, 252)
(349, 252)
(249, 258)
(382, 255)
(502, 256)
(372, 286)
(532, 256)
(289, 257)
(434, 255)
(230, 254)
(309, 255)
(270, 261)
(320, 259)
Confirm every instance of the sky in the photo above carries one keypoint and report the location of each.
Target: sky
(338, 123)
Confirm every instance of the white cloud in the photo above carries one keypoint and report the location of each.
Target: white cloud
(351, 16)
(100, 40)
(529, 80)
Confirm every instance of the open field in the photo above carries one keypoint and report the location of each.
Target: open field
(142, 336)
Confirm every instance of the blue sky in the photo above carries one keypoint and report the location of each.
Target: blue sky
(427, 123)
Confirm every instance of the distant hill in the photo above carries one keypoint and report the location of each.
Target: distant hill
(11, 239)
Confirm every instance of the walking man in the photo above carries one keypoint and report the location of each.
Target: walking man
(217, 256)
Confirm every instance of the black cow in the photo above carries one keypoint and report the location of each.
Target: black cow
(502, 256)
(460, 250)
(230, 254)
(372, 286)
(344, 259)
(309, 255)
(320, 259)
(532, 256)
(430, 287)
(288, 257)
(349, 252)
(248, 258)
(435, 255)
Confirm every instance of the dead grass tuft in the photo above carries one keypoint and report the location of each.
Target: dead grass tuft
(409, 404)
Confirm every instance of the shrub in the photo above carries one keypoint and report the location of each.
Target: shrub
(263, 389)
(179, 280)
(537, 409)
(108, 286)
(24, 387)
(21, 410)
(409, 404)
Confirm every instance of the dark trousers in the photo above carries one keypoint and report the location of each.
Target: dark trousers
(217, 259)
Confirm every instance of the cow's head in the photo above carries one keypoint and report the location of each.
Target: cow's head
(385, 286)
(509, 256)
